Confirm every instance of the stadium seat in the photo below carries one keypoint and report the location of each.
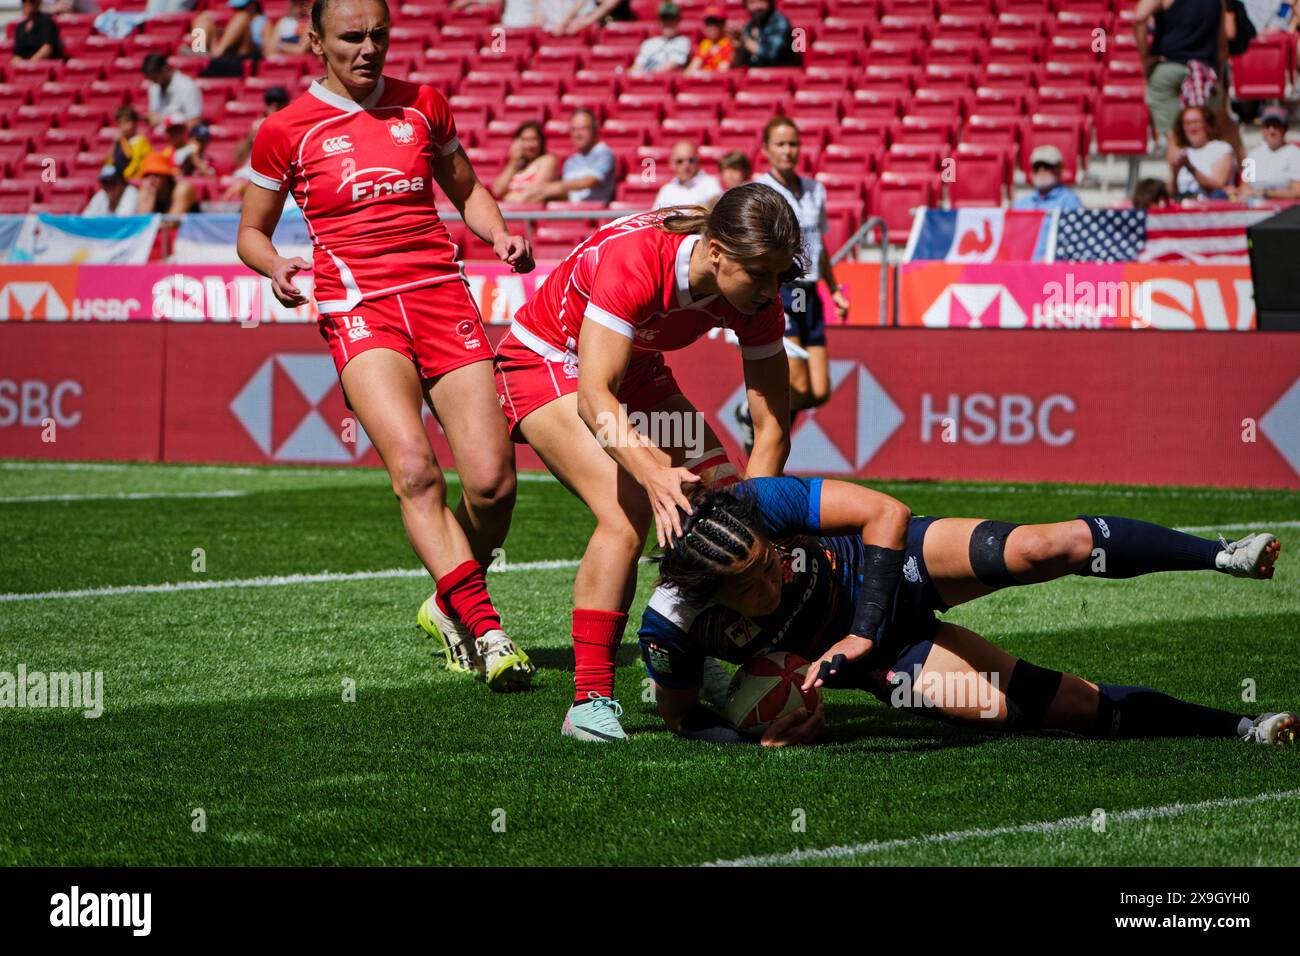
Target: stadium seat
(1122, 121)
(895, 197)
(1261, 72)
(979, 177)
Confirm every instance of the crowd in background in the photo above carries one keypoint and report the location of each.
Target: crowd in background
(1185, 61)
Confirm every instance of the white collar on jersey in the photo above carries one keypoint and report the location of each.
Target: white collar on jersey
(346, 103)
(682, 270)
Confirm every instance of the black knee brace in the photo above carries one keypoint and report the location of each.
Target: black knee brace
(1029, 693)
(988, 560)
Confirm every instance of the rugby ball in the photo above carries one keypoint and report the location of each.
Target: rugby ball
(765, 689)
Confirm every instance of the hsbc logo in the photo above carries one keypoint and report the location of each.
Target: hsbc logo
(403, 132)
(337, 144)
(975, 305)
(296, 381)
(31, 300)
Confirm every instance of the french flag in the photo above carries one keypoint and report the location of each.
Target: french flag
(981, 235)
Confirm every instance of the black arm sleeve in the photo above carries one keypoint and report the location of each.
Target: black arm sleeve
(881, 570)
(700, 723)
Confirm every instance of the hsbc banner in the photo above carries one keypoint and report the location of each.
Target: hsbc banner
(88, 392)
(224, 293)
(1076, 296)
(905, 403)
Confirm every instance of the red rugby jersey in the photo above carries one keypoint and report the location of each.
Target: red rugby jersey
(362, 175)
(633, 277)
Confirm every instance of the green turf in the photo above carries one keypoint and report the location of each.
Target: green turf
(231, 700)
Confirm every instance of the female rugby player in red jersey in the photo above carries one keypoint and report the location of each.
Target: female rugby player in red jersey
(586, 352)
(361, 151)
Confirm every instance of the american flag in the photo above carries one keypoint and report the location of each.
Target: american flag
(1205, 236)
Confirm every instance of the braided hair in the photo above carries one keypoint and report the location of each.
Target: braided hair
(716, 542)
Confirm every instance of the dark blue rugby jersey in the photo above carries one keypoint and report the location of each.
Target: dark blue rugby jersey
(818, 596)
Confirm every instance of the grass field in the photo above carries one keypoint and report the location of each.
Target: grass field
(230, 698)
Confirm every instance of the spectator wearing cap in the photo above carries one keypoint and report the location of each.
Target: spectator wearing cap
(1272, 169)
(588, 174)
(690, 185)
(185, 146)
(170, 91)
(274, 99)
(1049, 192)
(1201, 165)
(161, 191)
(114, 197)
(735, 168)
(131, 146)
(671, 50)
(37, 35)
(715, 50)
(767, 39)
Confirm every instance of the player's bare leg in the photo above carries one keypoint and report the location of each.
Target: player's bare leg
(1109, 546)
(606, 578)
(810, 382)
(385, 392)
(967, 679)
(465, 403)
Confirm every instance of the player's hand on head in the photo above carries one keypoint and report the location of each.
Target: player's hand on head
(797, 728)
(664, 488)
(282, 274)
(831, 664)
(515, 252)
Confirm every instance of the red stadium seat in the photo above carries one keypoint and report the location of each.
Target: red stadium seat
(1065, 133)
(895, 198)
(979, 176)
(1122, 121)
(1261, 72)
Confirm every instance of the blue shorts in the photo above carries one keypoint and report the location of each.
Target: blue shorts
(904, 641)
(807, 325)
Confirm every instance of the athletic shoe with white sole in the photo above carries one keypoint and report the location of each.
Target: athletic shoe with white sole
(746, 423)
(1249, 557)
(505, 666)
(715, 684)
(453, 637)
(594, 720)
(1280, 729)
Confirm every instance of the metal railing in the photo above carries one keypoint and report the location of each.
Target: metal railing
(864, 230)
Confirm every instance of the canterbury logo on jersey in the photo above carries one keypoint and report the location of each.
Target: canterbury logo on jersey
(336, 144)
(356, 326)
(381, 185)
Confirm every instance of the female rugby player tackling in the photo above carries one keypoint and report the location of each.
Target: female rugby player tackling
(361, 151)
(586, 352)
(774, 564)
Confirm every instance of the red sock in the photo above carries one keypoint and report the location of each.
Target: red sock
(715, 469)
(596, 636)
(462, 593)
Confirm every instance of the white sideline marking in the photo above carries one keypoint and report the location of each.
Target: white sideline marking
(270, 581)
(125, 496)
(1246, 525)
(225, 469)
(1046, 826)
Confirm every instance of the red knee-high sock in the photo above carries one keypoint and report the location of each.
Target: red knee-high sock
(463, 593)
(596, 635)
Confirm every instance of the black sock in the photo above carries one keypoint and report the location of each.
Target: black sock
(1143, 712)
(1126, 547)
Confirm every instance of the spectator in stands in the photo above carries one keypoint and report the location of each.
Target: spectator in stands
(1201, 165)
(1185, 61)
(170, 91)
(1049, 192)
(274, 99)
(715, 50)
(114, 197)
(289, 33)
(241, 39)
(56, 7)
(735, 168)
(546, 14)
(1150, 193)
(131, 147)
(527, 165)
(767, 39)
(162, 191)
(690, 185)
(158, 8)
(671, 50)
(588, 173)
(583, 13)
(1272, 168)
(37, 35)
(185, 146)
